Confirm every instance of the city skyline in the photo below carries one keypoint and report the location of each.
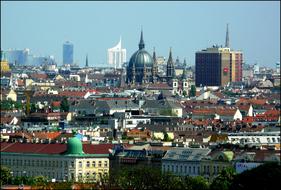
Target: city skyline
(187, 27)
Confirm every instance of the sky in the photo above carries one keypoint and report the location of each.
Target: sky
(187, 27)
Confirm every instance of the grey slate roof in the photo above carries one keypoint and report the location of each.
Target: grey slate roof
(161, 104)
(186, 154)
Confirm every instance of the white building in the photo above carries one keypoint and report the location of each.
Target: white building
(259, 138)
(116, 55)
(184, 161)
(56, 161)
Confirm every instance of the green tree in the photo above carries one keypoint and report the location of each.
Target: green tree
(195, 183)
(6, 175)
(64, 106)
(192, 91)
(18, 105)
(40, 181)
(266, 177)
(7, 104)
(167, 112)
(32, 108)
(166, 136)
(224, 180)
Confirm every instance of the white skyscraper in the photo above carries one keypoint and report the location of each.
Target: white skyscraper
(116, 55)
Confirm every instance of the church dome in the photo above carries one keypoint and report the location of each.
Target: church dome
(141, 57)
(74, 146)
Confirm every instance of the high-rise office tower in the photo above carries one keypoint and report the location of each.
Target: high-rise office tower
(18, 57)
(67, 53)
(116, 55)
(218, 66)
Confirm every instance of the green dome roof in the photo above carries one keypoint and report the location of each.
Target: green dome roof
(74, 146)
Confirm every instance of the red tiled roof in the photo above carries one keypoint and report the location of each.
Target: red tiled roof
(114, 98)
(97, 148)
(211, 111)
(159, 86)
(52, 148)
(20, 82)
(252, 101)
(272, 113)
(46, 135)
(203, 111)
(56, 103)
(6, 120)
(39, 75)
(72, 93)
(248, 119)
(244, 107)
(226, 111)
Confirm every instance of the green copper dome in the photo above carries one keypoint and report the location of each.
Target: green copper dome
(74, 146)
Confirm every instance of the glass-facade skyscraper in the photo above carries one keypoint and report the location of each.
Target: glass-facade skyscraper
(67, 53)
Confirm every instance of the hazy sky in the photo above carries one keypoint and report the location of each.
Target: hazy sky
(187, 27)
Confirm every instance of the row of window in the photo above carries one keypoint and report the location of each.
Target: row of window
(50, 163)
(93, 175)
(191, 170)
(34, 163)
(93, 164)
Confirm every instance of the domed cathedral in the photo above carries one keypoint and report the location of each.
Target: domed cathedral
(142, 67)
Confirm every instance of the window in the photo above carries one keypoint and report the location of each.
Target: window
(88, 164)
(194, 169)
(99, 163)
(80, 175)
(80, 164)
(189, 169)
(94, 164)
(204, 169)
(105, 164)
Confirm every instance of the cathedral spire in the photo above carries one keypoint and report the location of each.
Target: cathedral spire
(170, 59)
(170, 65)
(154, 54)
(184, 74)
(227, 37)
(87, 65)
(141, 44)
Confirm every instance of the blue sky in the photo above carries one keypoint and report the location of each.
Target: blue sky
(187, 27)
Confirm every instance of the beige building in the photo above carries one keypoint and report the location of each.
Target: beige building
(59, 162)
